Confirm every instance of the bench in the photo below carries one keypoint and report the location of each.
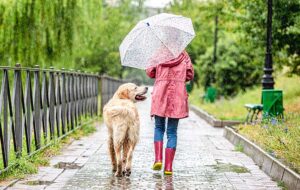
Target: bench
(253, 111)
(272, 106)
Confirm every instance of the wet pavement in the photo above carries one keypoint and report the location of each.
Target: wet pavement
(204, 160)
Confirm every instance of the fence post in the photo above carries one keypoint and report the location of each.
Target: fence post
(85, 94)
(18, 133)
(72, 99)
(98, 92)
(45, 104)
(90, 92)
(63, 102)
(28, 110)
(67, 89)
(95, 97)
(3, 103)
(51, 103)
(79, 97)
(37, 108)
(58, 103)
(76, 98)
(102, 95)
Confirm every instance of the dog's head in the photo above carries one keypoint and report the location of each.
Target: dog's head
(132, 92)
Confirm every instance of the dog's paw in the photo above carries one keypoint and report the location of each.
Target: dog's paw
(128, 172)
(119, 174)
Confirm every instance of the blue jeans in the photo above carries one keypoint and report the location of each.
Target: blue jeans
(160, 126)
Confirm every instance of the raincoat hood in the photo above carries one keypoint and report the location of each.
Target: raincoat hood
(175, 61)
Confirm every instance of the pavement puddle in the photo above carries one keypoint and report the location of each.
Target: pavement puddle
(67, 165)
(228, 167)
(39, 182)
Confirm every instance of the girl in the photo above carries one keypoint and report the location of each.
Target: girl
(169, 100)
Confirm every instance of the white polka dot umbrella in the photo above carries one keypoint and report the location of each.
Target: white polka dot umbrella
(155, 40)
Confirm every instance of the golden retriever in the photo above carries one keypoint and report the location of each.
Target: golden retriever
(122, 120)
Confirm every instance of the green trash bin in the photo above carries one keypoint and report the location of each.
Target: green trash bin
(210, 95)
(272, 101)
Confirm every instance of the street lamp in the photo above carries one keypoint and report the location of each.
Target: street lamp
(272, 99)
(214, 59)
(268, 81)
(215, 40)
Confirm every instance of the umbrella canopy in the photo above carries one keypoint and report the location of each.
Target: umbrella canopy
(156, 40)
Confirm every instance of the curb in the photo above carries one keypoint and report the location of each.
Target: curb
(211, 119)
(271, 166)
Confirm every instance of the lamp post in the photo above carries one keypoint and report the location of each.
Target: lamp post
(214, 59)
(215, 40)
(272, 100)
(268, 81)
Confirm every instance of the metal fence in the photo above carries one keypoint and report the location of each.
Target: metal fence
(109, 86)
(37, 105)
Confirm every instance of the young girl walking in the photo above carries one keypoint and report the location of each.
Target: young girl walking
(169, 104)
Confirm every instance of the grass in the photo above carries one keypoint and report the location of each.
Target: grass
(233, 108)
(282, 185)
(29, 165)
(239, 147)
(279, 138)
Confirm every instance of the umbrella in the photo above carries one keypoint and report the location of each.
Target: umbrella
(156, 40)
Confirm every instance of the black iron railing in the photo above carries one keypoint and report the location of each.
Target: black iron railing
(37, 105)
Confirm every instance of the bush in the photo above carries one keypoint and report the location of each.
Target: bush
(241, 40)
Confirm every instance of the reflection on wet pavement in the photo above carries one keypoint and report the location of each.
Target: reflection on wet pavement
(200, 150)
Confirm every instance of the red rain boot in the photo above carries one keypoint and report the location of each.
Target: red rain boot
(158, 147)
(169, 157)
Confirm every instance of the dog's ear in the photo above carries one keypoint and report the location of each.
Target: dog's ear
(124, 94)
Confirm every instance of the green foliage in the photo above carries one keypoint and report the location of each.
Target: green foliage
(112, 26)
(285, 30)
(233, 108)
(85, 35)
(35, 32)
(202, 17)
(241, 40)
(74, 34)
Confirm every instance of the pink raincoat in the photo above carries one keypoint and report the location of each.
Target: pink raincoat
(169, 96)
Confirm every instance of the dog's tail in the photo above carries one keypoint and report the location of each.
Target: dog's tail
(118, 111)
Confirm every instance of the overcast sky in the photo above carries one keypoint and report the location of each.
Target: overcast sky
(156, 3)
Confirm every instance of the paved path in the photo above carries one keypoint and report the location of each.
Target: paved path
(62, 167)
(204, 160)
